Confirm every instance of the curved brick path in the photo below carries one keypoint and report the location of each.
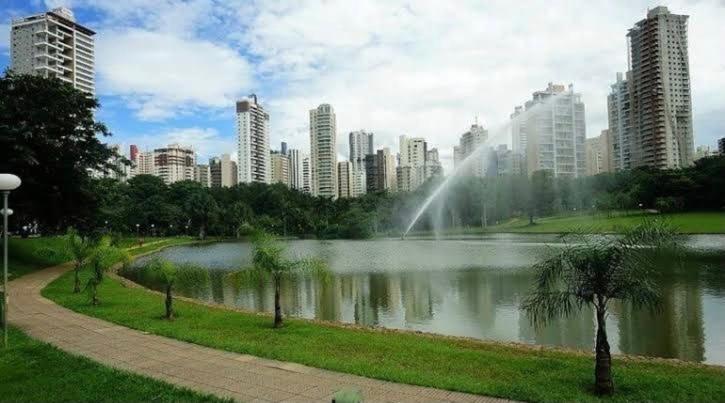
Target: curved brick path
(238, 376)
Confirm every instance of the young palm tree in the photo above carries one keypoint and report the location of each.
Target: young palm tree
(594, 272)
(268, 263)
(165, 274)
(76, 247)
(103, 256)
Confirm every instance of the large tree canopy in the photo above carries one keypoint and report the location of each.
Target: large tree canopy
(51, 140)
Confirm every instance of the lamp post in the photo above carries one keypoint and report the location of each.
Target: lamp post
(8, 183)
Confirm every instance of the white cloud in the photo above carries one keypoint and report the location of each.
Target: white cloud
(423, 70)
(162, 74)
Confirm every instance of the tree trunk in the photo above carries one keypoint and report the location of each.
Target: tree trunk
(77, 281)
(94, 294)
(169, 302)
(277, 306)
(202, 232)
(603, 368)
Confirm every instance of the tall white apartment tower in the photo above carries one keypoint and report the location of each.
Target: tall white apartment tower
(361, 144)
(619, 116)
(323, 147)
(660, 91)
(253, 162)
(411, 167)
(52, 44)
(296, 178)
(556, 132)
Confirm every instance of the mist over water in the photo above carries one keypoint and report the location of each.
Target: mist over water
(469, 286)
(478, 155)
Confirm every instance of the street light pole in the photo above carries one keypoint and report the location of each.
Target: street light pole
(8, 183)
(6, 193)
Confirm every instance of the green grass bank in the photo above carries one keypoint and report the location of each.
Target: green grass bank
(514, 372)
(32, 371)
(687, 223)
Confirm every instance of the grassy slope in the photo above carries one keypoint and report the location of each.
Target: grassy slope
(35, 371)
(482, 368)
(691, 223)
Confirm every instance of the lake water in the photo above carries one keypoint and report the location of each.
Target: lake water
(472, 286)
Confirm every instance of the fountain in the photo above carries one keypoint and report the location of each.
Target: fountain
(477, 154)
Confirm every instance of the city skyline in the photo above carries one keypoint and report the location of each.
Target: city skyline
(143, 111)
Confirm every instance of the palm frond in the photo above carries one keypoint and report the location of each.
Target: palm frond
(543, 306)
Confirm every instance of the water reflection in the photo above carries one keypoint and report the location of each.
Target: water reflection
(470, 287)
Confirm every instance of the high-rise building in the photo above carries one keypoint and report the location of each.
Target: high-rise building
(433, 166)
(280, 168)
(380, 171)
(202, 175)
(472, 143)
(413, 154)
(223, 171)
(283, 148)
(508, 162)
(323, 156)
(721, 146)
(598, 156)
(144, 164)
(174, 163)
(703, 152)
(361, 144)
(619, 114)
(253, 163)
(52, 44)
(133, 152)
(296, 179)
(306, 174)
(345, 179)
(660, 91)
(518, 130)
(555, 132)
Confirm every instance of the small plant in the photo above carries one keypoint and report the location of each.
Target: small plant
(269, 263)
(76, 247)
(102, 258)
(170, 277)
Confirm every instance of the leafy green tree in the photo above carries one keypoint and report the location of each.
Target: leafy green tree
(164, 273)
(595, 272)
(202, 209)
(269, 263)
(80, 249)
(103, 256)
(241, 216)
(49, 138)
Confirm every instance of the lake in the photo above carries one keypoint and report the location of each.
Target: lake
(471, 286)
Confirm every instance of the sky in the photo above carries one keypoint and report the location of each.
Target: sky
(170, 70)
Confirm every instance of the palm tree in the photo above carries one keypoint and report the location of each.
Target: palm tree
(103, 256)
(594, 272)
(74, 246)
(161, 272)
(268, 263)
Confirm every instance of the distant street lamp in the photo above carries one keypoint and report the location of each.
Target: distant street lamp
(8, 183)
(138, 233)
(152, 230)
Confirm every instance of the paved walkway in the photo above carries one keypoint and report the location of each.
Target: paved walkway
(238, 376)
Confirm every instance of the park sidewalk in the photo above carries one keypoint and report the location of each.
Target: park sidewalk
(225, 374)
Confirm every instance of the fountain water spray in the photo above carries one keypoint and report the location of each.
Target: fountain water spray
(477, 152)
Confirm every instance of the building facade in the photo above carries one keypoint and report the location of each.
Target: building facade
(508, 162)
(411, 167)
(52, 44)
(323, 151)
(555, 132)
(518, 130)
(223, 171)
(253, 164)
(306, 174)
(380, 171)
(202, 175)
(598, 155)
(345, 179)
(174, 163)
(433, 166)
(472, 146)
(619, 116)
(660, 91)
(296, 175)
(721, 146)
(280, 168)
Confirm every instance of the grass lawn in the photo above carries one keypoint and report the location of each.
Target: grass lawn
(454, 364)
(689, 223)
(32, 371)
